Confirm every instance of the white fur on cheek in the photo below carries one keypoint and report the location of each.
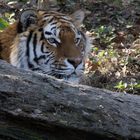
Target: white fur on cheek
(80, 69)
(17, 56)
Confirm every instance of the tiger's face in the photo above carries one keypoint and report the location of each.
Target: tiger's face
(68, 46)
(52, 45)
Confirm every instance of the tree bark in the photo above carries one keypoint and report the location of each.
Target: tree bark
(35, 106)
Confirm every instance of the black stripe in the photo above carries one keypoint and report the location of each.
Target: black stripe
(42, 57)
(51, 20)
(53, 23)
(68, 20)
(49, 55)
(42, 36)
(28, 42)
(49, 58)
(52, 57)
(47, 61)
(83, 35)
(48, 33)
(40, 30)
(30, 65)
(34, 47)
(42, 48)
(63, 69)
(57, 63)
(53, 28)
(36, 69)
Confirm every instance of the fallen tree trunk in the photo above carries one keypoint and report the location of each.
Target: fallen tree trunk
(35, 106)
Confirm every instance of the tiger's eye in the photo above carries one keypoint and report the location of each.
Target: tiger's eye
(51, 40)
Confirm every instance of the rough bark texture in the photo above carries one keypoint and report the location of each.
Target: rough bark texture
(39, 107)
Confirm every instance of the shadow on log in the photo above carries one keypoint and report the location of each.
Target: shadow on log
(39, 107)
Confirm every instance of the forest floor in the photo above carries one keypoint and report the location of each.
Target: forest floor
(114, 61)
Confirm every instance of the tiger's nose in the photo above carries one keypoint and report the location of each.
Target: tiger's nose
(75, 62)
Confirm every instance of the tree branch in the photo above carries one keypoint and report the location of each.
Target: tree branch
(34, 106)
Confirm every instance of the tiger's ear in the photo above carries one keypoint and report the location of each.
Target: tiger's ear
(78, 17)
(27, 17)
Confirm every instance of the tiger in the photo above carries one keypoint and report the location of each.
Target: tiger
(47, 42)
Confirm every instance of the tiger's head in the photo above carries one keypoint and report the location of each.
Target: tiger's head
(51, 43)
